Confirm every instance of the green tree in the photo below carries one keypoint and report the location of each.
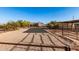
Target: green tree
(53, 24)
(13, 25)
(24, 23)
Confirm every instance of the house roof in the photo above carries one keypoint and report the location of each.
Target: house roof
(71, 21)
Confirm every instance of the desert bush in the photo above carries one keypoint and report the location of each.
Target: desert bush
(53, 25)
(12, 25)
(23, 23)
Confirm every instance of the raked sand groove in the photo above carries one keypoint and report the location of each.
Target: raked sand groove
(33, 39)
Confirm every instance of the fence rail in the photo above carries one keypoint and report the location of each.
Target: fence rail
(66, 48)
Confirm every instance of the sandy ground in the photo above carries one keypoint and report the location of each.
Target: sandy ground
(35, 36)
(12, 36)
(71, 36)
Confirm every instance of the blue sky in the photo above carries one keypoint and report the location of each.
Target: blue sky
(38, 14)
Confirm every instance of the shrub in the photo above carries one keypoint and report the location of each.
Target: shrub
(52, 24)
(12, 25)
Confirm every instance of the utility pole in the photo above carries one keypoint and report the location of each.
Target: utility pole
(73, 18)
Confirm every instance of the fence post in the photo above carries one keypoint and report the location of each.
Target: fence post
(62, 30)
(76, 30)
(67, 49)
